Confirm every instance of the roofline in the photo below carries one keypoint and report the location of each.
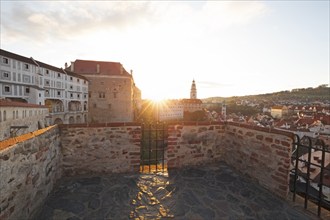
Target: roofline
(39, 63)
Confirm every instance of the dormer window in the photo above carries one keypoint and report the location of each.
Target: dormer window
(5, 60)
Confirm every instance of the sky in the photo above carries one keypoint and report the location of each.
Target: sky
(230, 48)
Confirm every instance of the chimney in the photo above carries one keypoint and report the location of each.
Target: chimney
(72, 66)
(97, 68)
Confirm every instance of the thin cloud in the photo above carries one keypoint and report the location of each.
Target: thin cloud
(208, 84)
(42, 20)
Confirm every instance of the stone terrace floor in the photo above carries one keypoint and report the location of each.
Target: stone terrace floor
(213, 191)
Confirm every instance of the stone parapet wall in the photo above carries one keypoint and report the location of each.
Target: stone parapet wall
(260, 153)
(30, 164)
(95, 149)
(194, 144)
(263, 154)
(29, 168)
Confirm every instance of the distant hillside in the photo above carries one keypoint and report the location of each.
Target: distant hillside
(304, 95)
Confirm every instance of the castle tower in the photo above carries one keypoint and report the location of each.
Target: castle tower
(224, 111)
(193, 90)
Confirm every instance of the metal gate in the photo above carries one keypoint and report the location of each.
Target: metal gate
(310, 175)
(153, 146)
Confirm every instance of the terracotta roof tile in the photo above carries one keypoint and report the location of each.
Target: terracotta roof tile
(9, 103)
(99, 67)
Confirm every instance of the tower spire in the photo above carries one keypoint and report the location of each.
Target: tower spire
(193, 90)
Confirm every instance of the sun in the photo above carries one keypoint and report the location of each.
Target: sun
(157, 100)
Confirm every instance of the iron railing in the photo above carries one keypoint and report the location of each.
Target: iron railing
(310, 172)
(153, 145)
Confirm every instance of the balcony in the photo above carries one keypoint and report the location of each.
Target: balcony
(208, 171)
(212, 191)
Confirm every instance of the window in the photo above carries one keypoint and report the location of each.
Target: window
(84, 95)
(27, 90)
(26, 66)
(47, 72)
(47, 82)
(47, 92)
(78, 96)
(102, 95)
(71, 95)
(5, 60)
(71, 78)
(89, 94)
(4, 116)
(58, 75)
(84, 81)
(71, 87)
(13, 114)
(58, 92)
(77, 80)
(7, 89)
(6, 75)
(39, 94)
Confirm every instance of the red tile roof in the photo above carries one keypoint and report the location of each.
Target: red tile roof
(99, 67)
(191, 101)
(9, 103)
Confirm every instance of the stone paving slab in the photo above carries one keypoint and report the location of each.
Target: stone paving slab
(210, 192)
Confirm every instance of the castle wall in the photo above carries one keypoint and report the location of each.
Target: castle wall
(194, 144)
(111, 148)
(29, 168)
(31, 163)
(262, 154)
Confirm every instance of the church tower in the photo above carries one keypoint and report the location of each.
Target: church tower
(193, 90)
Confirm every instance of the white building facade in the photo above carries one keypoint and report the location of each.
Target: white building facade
(27, 80)
(17, 118)
(170, 110)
